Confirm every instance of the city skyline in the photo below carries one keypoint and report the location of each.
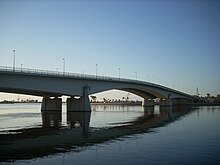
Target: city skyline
(173, 43)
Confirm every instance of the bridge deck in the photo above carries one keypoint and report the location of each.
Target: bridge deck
(48, 73)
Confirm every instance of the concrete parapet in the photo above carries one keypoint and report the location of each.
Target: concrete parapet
(49, 104)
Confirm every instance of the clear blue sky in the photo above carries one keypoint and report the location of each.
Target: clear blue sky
(174, 42)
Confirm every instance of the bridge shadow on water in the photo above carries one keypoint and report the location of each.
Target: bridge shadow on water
(53, 138)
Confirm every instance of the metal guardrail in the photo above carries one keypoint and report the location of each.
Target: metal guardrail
(63, 74)
(29, 71)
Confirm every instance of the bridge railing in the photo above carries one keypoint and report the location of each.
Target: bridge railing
(62, 74)
(29, 71)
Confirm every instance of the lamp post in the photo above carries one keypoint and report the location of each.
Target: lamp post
(96, 67)
(21, 67)
(136, 75)
(63, 66)
(14, 61)
(119, 73)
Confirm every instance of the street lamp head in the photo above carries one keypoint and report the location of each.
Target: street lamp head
(13, 50)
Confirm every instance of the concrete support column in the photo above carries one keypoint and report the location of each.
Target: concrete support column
(74, 104)
(169, 100)
(79, 104)
(148, 102)
(166, 102)
(86, 102)
(49, 104)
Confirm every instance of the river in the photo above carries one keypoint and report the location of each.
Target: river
(110, 134)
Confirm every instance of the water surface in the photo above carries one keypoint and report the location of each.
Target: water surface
(110, 135)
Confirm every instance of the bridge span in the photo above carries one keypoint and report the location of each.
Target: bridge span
(51, 85)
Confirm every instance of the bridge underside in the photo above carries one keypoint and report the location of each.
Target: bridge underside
(31, 92)
(52, 101)
(144, 94)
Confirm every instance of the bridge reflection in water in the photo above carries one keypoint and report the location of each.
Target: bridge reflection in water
(54, 138)
(78, 120)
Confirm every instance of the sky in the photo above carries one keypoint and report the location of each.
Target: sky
(174, 43)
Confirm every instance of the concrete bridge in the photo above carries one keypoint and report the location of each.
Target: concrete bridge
(51, 85)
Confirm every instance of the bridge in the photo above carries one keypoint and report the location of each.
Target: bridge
(51, 85)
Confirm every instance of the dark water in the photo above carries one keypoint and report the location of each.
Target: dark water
(110, 135)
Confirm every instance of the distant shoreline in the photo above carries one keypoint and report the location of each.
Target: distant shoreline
(116, 103)
(119, 103)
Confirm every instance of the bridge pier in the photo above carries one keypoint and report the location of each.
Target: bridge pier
(166, 102)
(86, 102)
(80, 104)
(175, 102)
(180, 101)
(49, 104)
(148, 102)
(74, 104)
